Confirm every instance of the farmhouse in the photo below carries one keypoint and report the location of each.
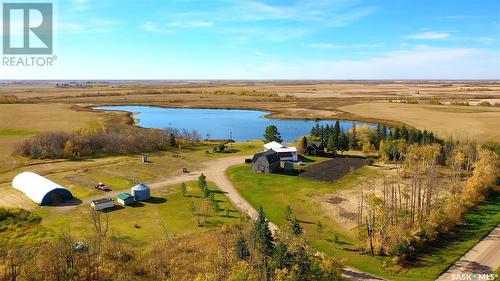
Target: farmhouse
(125, 199)
(285, 153)
(141, 192)
(267, 162)
(314, 148)
(41, 190)
(101, 204)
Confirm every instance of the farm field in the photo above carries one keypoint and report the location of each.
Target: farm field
(20, 121)
(459, 122)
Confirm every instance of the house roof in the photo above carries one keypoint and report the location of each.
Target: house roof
(102, 200)
(315, 144)
(270, 155)
(278, 147)
(124, 196)
(273, 144)
(285, 149)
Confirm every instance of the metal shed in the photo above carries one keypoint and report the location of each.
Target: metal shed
(141, 192)
(125, 199)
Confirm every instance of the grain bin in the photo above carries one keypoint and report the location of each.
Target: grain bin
(141, 192)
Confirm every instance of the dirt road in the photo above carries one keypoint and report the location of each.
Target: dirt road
(484, 258)
(215, 170)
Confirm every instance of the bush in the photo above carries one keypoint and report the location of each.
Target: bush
(370, 161)
(87, 143)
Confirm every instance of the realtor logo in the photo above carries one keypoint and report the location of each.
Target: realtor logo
(27, 28)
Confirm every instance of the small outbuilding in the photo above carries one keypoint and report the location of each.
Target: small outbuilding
(40, 189)
(314, 148)
(141, 192)
(101, 204)
(125, 199)
(266, 162)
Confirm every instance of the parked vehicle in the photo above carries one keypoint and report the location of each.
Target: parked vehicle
(185, 170)
(101, 186)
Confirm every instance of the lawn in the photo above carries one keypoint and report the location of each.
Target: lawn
(169, 213)
(274, 192)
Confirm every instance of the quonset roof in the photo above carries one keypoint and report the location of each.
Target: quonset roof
(37, 187)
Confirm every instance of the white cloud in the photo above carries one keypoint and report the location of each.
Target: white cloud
(238, 18)
(344, 46)
(421, 62)
(430, 35)
(188, 24)
(94, 25)
(80, 5)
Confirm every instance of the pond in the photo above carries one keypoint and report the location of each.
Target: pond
(240, 125)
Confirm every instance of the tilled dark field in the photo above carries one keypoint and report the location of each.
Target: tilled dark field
(333, 169)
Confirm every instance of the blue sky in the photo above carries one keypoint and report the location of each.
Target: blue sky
(250, 39)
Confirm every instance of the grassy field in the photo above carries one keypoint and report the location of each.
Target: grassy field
(460, 122)
(20, 121)
(274, 192)
(169, 213)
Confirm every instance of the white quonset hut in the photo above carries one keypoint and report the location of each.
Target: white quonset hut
(39, 189)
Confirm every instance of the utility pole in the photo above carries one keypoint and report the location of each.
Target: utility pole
(230, 137)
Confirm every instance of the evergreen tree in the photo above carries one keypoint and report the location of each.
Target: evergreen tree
(241, 249)
(202, 182)
(281, 257)
(353, 141)
(262, 236)
(336, 131)
(172, 141)
(331, 145)
(296, 228)
(272, 134)
(343, 142)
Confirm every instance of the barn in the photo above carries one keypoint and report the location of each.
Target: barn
(266, 162)
(141, 192)
(40, 189)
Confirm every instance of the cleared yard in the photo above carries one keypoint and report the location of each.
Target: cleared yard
(476, 123)
(168, 213)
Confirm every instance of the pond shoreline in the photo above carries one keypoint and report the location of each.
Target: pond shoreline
(246, 124)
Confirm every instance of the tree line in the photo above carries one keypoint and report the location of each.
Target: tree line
(368, 138)
(111, 141)
(414, 207)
